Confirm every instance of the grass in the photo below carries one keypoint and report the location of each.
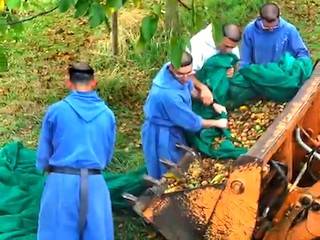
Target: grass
(38, 60)
(36, 75)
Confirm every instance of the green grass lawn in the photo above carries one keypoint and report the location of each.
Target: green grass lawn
(38, 62)
(37, 71)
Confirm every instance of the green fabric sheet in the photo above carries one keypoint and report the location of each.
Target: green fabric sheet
(21, 186)
(277, 82)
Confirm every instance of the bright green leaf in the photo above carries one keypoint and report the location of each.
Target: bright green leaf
(199, 22)
(13, 4)
(177, 46)
(3, 61)
(116, 4)
(217, 31)
(64, 5)
(96, 15)
(82, 7)
(149, 27)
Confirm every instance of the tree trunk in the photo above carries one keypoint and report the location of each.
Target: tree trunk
(114, 29)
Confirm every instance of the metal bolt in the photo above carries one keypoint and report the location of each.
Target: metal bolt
(237, 187)
(305, 200)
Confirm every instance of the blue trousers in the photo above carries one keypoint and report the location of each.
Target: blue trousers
(59, 210)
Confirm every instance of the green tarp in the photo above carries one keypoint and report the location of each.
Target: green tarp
(21, 187)
(278, 82)
(213, 74)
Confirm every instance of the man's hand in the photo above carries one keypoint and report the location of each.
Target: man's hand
(195, 93)
(219, 108)
(230, 72)
(221, 123)
(206, 95)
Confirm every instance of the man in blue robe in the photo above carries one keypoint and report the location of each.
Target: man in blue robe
(269, 37)
(168, 115)
(76, 142)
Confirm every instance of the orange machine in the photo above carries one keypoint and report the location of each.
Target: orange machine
(272, 192)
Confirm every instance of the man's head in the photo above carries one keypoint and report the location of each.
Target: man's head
(269, 14)
(231, 37)
(81, 76)
(183, 73)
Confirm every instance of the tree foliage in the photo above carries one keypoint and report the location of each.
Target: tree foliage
(181, 19)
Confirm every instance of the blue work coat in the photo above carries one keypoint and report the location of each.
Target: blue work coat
(77, 132)
(168, 115)
(260, 46)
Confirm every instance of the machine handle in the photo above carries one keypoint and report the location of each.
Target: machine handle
(130, 198)
(305, 146)
(168, 163)
(187, 149)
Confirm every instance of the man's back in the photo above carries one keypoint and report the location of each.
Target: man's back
(81, 128)
(76, 142)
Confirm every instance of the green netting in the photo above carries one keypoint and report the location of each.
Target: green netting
(217, 82)
(21, 187)
(278, 82)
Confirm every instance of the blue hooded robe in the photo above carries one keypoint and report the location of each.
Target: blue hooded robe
(168, 114)
(77, 132)
(261, 46)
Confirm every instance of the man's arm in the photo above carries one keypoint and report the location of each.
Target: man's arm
(111, 138)
(182, 115)
(297, 45)
(45, 148)
(205, 94)
(246, 50)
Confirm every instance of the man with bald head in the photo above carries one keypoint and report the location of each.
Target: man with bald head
(76, 143)
(202, 47)
(269, 37)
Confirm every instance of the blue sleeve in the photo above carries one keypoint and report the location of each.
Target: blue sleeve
(181, 114)
(297, 45)
(112, 139)
(45, 148)
(246, 49)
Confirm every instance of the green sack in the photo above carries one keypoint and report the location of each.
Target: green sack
(240, 91)
(225, 150)
(213, 74)
(279, 81)
(274, 81)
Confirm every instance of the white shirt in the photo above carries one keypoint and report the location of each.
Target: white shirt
(202, 47)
